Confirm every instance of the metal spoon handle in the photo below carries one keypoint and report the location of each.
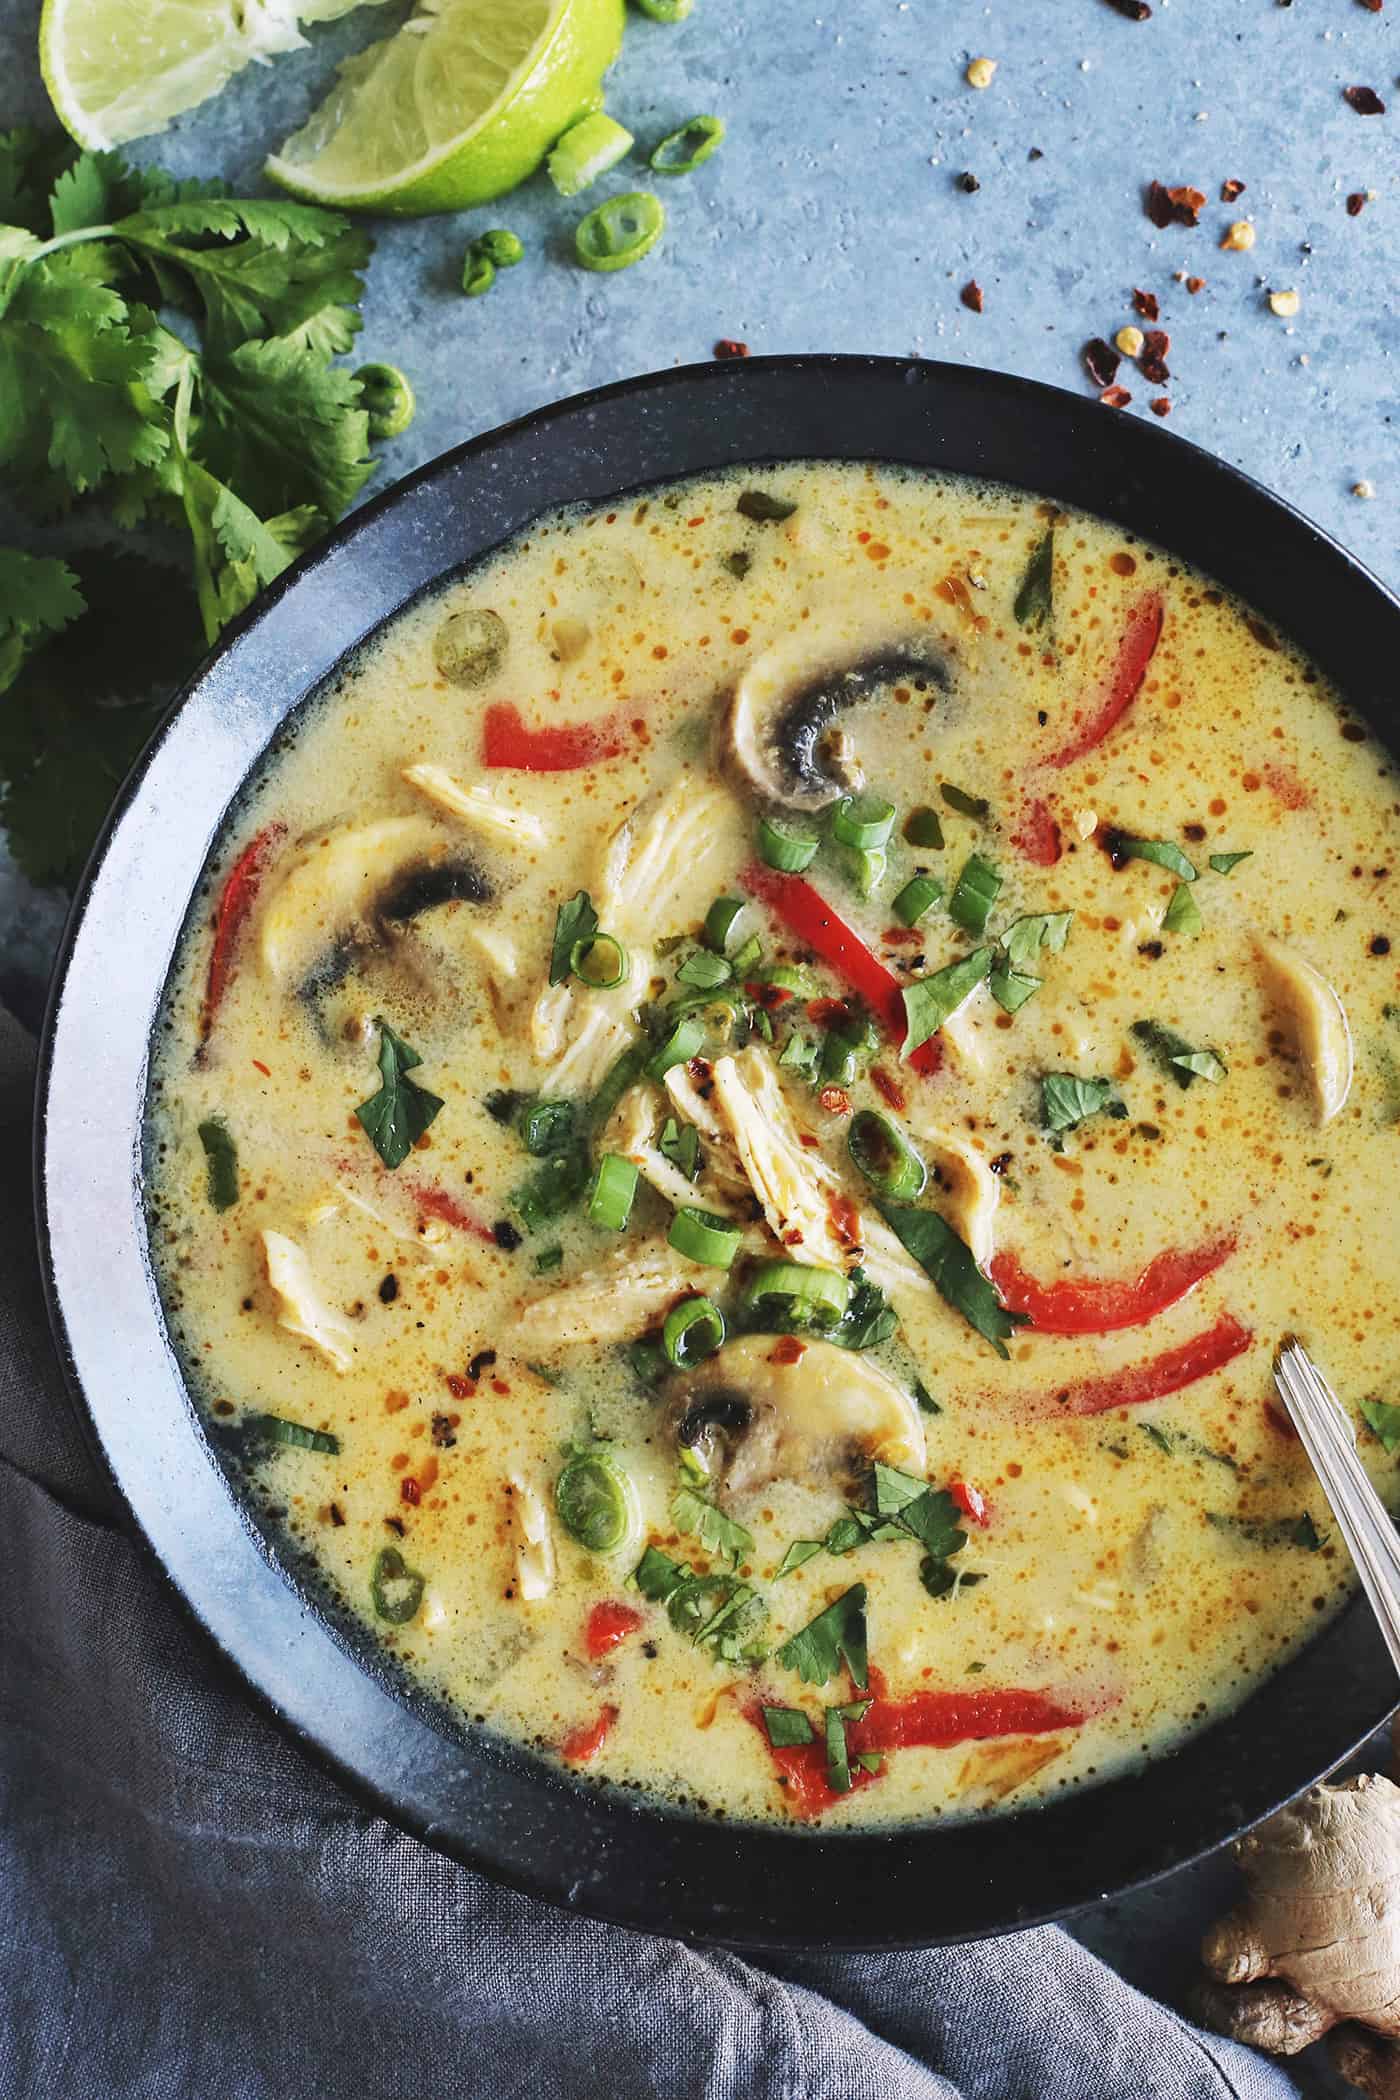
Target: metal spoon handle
(1330, 1442)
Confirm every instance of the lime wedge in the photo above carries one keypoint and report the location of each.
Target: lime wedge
(117, 69)
(458, 107)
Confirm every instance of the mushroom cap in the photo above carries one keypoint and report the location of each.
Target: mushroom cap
(1317, 1020)
(785, 1407)
(778, 727)
(356, 878)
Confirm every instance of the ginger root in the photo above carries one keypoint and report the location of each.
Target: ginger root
(1315, 1946)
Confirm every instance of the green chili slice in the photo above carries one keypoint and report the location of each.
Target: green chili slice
(282, 1431)
(395, 1589)
(470, 646)
(620, 232)
(597, 1502)
(705, 1237)
(694, 1329)
(387, 399)
(688, 148)
(884, 1155)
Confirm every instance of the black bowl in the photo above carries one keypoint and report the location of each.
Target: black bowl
(604, 1851)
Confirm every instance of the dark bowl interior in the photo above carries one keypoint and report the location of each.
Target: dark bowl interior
(608, 1852)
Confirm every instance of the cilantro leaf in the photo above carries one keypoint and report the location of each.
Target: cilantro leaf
(396, 1117)
(1202, 1064)
(1384, 1419)
(680, 1143)
(932, 1518)
(837, 1634)
(929, 1001)
(838, 1768)
(893, 1490)
(787, 1726)
(657, 1575)
(1012, 988)
(974, 806)
(716, 1532)
(284, 428)
(575, 921)
(974, 893)
(39, 597)
(30, 163)
(797, 1556)
(1066, 1100)
(1034, 604)
(948, 1263)
(1270, 1531)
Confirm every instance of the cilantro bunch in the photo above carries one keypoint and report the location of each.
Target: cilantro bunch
(168, 352)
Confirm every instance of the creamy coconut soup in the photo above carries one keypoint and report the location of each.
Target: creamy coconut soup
(744, 1107)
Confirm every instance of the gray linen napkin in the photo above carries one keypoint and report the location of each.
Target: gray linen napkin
(191, 1910)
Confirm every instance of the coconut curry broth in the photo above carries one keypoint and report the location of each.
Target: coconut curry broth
(1084, 1531)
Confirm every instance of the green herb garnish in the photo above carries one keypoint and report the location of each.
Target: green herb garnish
(221, 1162)
(1183, 914)
(764, 508)
(716, 1532)
(279, 1430)
(1163, 853)
(787, 1726)
(797, 1556)
(1174, 1055)
(930, 1001)
(575, 921)
(836, 1635)
(680, 1144)
(1224, 862)
(1067, 1100)
(1270, 1531)
(974, 893)
(1035, 600)
(948, 1263)
(1384, 1419)
(975, 806)
(396, 1117)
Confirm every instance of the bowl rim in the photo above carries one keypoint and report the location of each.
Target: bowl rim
(598, 1851)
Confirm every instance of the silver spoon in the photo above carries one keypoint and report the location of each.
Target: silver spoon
(1330, 1442)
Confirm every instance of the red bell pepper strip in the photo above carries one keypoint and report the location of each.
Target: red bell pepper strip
(1038, 835)
(239, 895)
(972, 1502)
(585, 1741)
(440, 1203)
(1204, 1353)
(1091, 1307)
(509, 743)
(1135, 652)
(608, 1626)
(806, 913)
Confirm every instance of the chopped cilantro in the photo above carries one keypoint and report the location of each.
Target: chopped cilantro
(787, 1726)
(1066, 1100)
(836, 1635)
(948, 1263)
(396, 1117)
(575, 921)
(1270, 1531)
(929, 1001)
(1024, 938)
(1163, 853)
(716, 1532)
(1183, 914)
(1171, 1052)
(221, 1156)
(680, 1143)
(974, 806)
(838, 1769)
(797, 1556)
(717, 1612)
(974, 893)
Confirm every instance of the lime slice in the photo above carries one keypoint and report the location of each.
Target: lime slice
(117, 69)
(458, 107)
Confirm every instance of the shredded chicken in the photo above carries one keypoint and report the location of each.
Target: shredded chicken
(302, 1309)
(633, 1133)
(613, 1302)
(534, 1541)
(477, 806)
(666, 851)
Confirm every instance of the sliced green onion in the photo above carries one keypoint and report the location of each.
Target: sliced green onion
(924, 827)
(478, 273)
(665, 10)
(548, 1259)
(705, 970)
(586, 151)
(744, 958)
(919, 895)
(788, 851)
(395, 1589)
(1163, 853)
(884, 1155)
(865, 866)
(862, 820)
(694, 1329)
(808, 1296)
(221, 1155)
(679, 1047)
(702, 1236)
(974, 893)
(1183, 913)
(620, 232)
(789, 977)
(599, 961)
(613, 1192)
(504, 248)
(719, 922)
(966, 805)
(546, 1126)
(281, 1431)
(387, 399)
(930, 1001)
(647, 1362)
(597, 1502)
(682, 150)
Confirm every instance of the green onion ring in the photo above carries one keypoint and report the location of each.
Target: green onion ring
(694, 1329)
(680, 1046)
(702, 1236)
(613, 1193)
(595, 954)
(862, 820)
(814, 1297)
(620, 232)
(788, 851)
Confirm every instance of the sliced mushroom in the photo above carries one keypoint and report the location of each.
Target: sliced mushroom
(477, 806)
(302, 1309)
(776, 1408)
(534, 1541)
(967, 1191)
(1317, 1021)
(349, 886)
(786, 708)
(618, 1299)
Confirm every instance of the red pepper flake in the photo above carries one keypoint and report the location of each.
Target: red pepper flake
(1356, 204)
(1195, 284)
(1161, 406)
(835, 1100)
(1115, 397)
(787, 1350)
(729, 346)
(259, 1066)
(768, 995)
(902, 937)
(460, 1388)
(1152, 360)
(971, 296)
(1101, 361)
(1145, 305)
(1180, 206)
(887, 1087)
(1132, 10)
(825, 1012)
(1231, 189)
(408, 1489)
(1365, 101)
(845, 1220)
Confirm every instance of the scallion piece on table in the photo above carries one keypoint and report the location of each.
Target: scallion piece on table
(884, 1155)
(862, 820)
(924, 827)
(919, 895)
(681, 151)
(666, 10)
(613, 1192)
(974, 893)
(281, 1431)
(703, 1236)
(620, 232)
(586, 151)
(788, 851)
(807, 1296)
(500, 246)
(719, 922)
(694, 1329)
(705, 970)
(599, 961)
(685, 1039)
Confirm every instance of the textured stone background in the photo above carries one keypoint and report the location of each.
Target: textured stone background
(833, 219)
